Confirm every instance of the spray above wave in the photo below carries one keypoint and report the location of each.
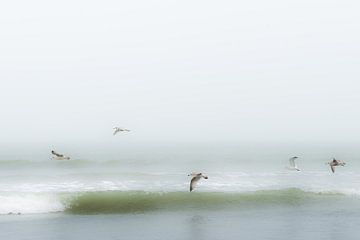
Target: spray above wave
(72, 182)
(119, 202)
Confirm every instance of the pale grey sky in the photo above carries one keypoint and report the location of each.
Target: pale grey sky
(180, 70)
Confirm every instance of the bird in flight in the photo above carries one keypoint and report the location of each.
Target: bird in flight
(293, 165)
(59, 156)
(335, 163)
(195, 179)
(117, 129)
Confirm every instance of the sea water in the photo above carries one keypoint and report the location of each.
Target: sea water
(141, 191)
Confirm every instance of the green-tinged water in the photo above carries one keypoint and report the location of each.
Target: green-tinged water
(115, 202)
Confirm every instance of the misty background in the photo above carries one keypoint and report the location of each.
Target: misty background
(179, 71)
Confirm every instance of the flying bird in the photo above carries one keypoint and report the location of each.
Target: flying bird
(59, 156)
(293, 165)
(335, 163)
(117, 129)
(195, 179)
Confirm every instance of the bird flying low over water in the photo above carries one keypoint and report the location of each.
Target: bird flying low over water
(59, 156)
(293, 165)
(117, 129)
(195, 179)
(335, 163)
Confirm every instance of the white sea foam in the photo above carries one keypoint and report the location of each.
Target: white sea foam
(21, 203)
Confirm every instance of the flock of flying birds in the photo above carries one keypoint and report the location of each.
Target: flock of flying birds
(58, 156)
(197, 176)
(333, 163)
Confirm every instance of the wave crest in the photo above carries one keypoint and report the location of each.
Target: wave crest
(138, 202)
(117, 202)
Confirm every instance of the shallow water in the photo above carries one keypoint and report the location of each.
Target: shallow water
(286, 222)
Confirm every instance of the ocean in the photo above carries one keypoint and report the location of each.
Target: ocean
(141, 191)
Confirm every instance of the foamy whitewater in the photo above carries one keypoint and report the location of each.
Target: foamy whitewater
(156, 179)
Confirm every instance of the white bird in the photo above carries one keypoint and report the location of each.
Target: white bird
(195, 179)
(58, 156)
(335, 163)
(117, 129)
(293, 165)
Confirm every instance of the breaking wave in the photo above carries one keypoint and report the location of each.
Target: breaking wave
(120, 202)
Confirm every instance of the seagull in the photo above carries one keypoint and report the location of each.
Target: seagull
(335, 163)
(117, 129)
(59, 156)
(293, 165)
(195, 179)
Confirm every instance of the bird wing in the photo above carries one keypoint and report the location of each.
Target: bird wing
(193, 174)
(57, 154)
(193, 183)
(292, 162)
(116, 131)
(332, 168)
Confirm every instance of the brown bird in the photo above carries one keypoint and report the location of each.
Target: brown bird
(335, 163)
